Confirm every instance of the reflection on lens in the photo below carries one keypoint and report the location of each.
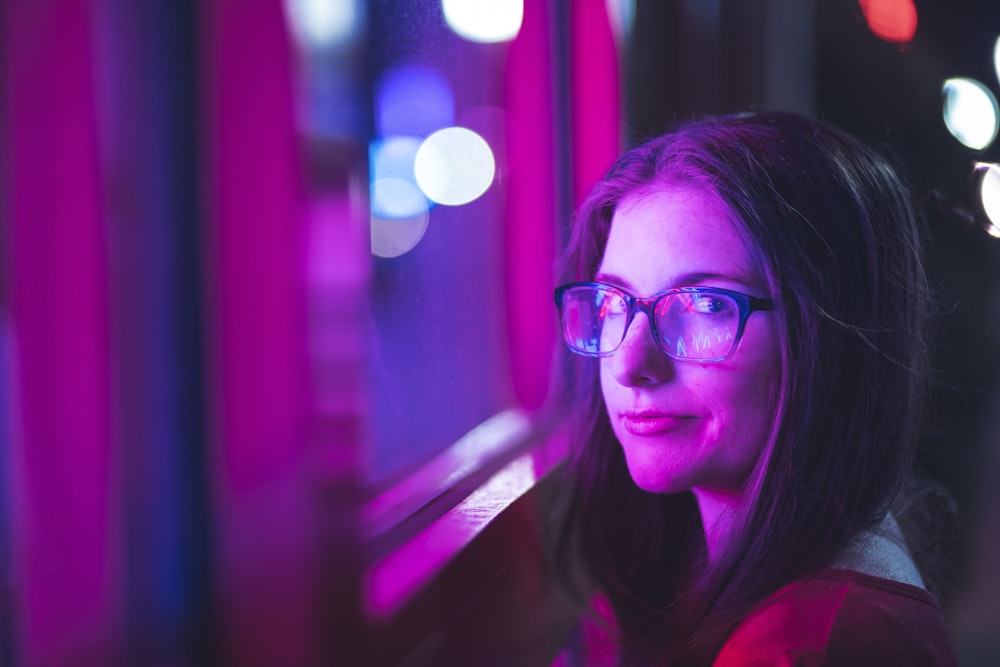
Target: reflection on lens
(697, 325)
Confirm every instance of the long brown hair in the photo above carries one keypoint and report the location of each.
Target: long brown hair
(832, 227)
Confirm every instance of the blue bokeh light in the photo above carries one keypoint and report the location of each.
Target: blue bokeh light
(413, 100)
(391, 166)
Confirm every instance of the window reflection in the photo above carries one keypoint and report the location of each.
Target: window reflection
(440, 363)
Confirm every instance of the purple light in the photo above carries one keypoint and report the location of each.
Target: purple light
(415, 101)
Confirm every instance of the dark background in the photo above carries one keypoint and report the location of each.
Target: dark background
(820, 57)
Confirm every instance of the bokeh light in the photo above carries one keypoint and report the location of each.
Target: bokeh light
(996, 58)
(392, 237)
(395, 198)
(989, 194)
(392, 160)
(621, 15)
(413, 100)
(484, 20)
(399, 210)
(323, 24)
(489, 122)
(892, 20)
(970, 112)
(454, 166)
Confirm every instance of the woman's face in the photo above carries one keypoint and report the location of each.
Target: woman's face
(685, 425)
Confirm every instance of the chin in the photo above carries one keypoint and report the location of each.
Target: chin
(649, 471)
(654, 481)
(657, 488)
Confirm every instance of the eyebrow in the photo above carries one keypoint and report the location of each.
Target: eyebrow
(691, 279)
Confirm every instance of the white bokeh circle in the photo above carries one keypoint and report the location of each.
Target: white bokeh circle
(454, 166)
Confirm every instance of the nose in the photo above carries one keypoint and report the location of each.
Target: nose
(638, 361)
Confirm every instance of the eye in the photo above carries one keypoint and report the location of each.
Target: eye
(612, 305)
(709, 304)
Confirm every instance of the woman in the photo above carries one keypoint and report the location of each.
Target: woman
(746, 299)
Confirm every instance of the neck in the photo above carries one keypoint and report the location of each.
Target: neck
(718, 510)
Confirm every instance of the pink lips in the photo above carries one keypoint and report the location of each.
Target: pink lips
(652, 423)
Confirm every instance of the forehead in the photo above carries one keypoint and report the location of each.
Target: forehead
(660, 237)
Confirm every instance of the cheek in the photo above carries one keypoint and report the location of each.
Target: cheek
(760, 375)
(751, 403)
(741, 397)
(607, 381)
(616, 397)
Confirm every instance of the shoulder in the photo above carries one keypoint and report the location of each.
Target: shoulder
(842, 617)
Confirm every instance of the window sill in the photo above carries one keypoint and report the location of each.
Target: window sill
(472, 585)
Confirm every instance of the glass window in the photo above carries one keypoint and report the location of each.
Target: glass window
(440, 183)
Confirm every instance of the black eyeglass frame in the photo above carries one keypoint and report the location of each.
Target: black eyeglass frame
(746, 304)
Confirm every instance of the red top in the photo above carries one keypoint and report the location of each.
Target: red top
(842, 617)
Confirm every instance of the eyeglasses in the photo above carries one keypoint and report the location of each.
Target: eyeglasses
(688, 323)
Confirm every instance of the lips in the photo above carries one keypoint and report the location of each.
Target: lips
(652, 423)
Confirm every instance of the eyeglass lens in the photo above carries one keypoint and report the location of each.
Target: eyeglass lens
(690, 325)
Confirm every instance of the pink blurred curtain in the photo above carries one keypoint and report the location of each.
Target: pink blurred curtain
(105, 494)
(283, 480)
(66, 600)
